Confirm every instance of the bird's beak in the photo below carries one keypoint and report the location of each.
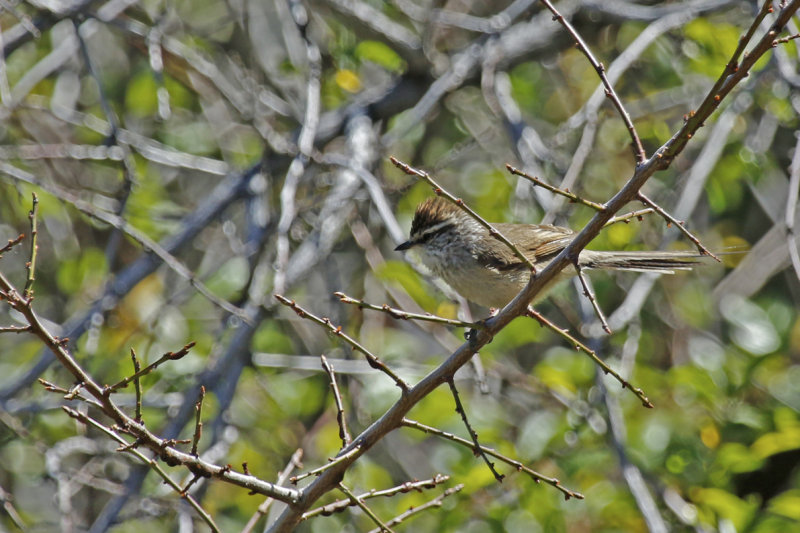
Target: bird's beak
(405, 246)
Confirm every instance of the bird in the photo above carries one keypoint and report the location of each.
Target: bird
(458, 249)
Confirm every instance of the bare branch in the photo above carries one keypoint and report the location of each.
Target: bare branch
(478, 449)
(372, 359)
(340, 417)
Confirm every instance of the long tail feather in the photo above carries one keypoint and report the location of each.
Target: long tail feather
(663, 262)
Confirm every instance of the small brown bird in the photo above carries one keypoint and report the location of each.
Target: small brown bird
(456, 248)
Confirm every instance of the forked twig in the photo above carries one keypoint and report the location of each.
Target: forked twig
(369, 512)
(405, 315)
(673, 221)
(591, 353)
(332, 462)
(566, 193)
(490, 451)
(638, 149)
(169, 356)
(340, 505)
(436, 502)
(152, 463)
(372, 359)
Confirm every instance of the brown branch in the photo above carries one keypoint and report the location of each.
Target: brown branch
(673, 221)
(490, 451)
(588, 293)
(150, 462)
(372, 359)
(30, 266)
(340, 505)
(283, 477)
(638, 149)
(734, 72)
(198, 422)
(340, 418)
(436, 502)
(369, 512)
(592, 354)
(477, 449)
(571, 196)
(405, 315)
(164, 448)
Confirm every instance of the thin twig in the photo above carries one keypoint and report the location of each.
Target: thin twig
(478, 449)
(638, 149)
(77, 415)
(436, 502)
(373, 360)
(491, 451)
(137, 386)
(628, 216)
(198, 421)
(69, 394)
(332, 462)
(11, 244)
(340, 505)
(405, 315)
(169, 356)
(439, 191)
(733, 73)
(381, 526)
(588, 293)
(571, 196)
(30, 266)
(672, 220)
(591, 353)
(776, 42)
(294, 462)
(340, 418)
(14, 329)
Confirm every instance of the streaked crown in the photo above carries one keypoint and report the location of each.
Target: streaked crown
(432, 217)
(433, 213)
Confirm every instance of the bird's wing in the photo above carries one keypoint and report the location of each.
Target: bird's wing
(538, 244)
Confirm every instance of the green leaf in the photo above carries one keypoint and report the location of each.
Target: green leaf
(140, 94)
(379, 53)
(402, 274)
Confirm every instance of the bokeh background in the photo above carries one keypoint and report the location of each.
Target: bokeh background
(250, 140)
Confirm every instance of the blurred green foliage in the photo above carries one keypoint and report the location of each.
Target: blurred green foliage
(722, 368)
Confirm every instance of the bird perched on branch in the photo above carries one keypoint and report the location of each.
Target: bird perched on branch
(484, 270)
